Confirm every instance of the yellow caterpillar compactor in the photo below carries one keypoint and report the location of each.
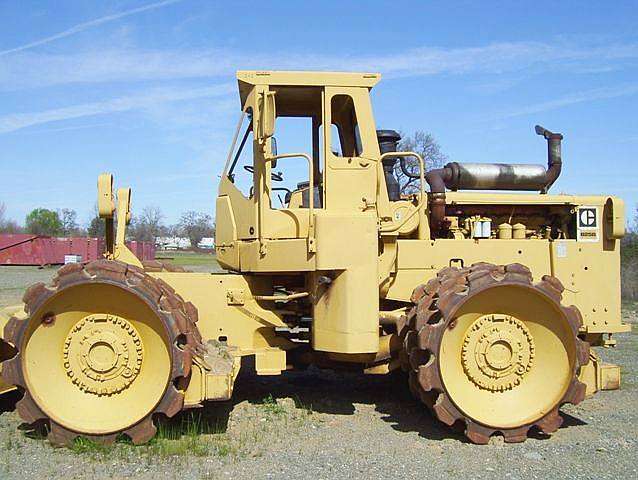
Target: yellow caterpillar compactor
(491, 301)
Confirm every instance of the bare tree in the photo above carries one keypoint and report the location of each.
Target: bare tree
(170, 230)
(629, 262)
(6, 225)
(196, 225)
(69, 221)
(148, 225)
(425, 145)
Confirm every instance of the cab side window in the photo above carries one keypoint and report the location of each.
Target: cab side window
(345, 125)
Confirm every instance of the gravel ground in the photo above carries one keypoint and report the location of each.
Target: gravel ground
(321, 424)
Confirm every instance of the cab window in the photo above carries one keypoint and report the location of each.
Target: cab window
(239, 171)
(345, 138)
(297, 130)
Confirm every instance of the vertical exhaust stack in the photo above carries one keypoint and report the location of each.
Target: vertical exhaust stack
(493, 176)
(554, 158)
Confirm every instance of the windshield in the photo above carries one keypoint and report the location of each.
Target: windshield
(237, 150)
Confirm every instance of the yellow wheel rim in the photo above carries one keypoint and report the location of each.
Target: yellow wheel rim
(509, 358)
(102, 364)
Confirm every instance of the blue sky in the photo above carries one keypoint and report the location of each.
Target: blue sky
(146, 89)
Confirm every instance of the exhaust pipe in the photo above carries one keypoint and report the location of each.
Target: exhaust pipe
(554, 158)
(493, 176)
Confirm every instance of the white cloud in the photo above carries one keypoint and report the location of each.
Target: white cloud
(28, 69)
(17, 121)
(575, 98)
(80, 27)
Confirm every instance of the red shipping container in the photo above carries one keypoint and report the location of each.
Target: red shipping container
(26, 249)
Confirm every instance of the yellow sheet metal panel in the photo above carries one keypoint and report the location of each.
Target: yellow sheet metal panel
(243, 324)
(285, 255)
(248, 79)
(346, 310)
(614, 214)
(420, 260)
(346, 79)
(285, 223)
(597, 375)
(226, 235)
(591, 276)
(270, 361)
(441, 253)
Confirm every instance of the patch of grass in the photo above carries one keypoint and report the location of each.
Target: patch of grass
(182, 438)
(188, 258)
(223, 447)
(186, 436)
(8, 444)
(306, 408)
(180, 447)
(629, 307)
(270, 406)
(84, 446)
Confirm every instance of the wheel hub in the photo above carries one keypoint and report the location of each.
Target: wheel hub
(102, 354)
(498, 350)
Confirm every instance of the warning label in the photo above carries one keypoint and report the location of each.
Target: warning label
(587, 224)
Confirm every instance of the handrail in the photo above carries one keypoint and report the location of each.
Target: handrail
(311, 193)
(282, 298)
(393, 227)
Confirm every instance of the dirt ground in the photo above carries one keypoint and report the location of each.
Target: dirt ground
(319, 424)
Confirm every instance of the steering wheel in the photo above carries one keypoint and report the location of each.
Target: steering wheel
(275, 176)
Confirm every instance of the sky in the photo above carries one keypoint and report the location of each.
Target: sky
(146, 89)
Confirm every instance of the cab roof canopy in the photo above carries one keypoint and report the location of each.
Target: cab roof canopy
(249, 78)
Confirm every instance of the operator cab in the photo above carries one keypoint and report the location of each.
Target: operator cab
(298, 128)
(284, 167)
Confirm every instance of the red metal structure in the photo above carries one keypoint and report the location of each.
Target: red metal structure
(27, 249)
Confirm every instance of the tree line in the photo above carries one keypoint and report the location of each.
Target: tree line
(146, 226)
(149, 224)
(629, 263)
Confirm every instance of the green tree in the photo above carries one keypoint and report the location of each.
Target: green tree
(96, 228)
(42, 221)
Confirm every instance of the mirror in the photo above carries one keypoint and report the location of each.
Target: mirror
(267, 115)
(273, 150)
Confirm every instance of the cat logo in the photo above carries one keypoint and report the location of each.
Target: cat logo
(587, 218)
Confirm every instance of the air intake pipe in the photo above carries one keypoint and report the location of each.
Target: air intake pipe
(388, 142)
(493, 176)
